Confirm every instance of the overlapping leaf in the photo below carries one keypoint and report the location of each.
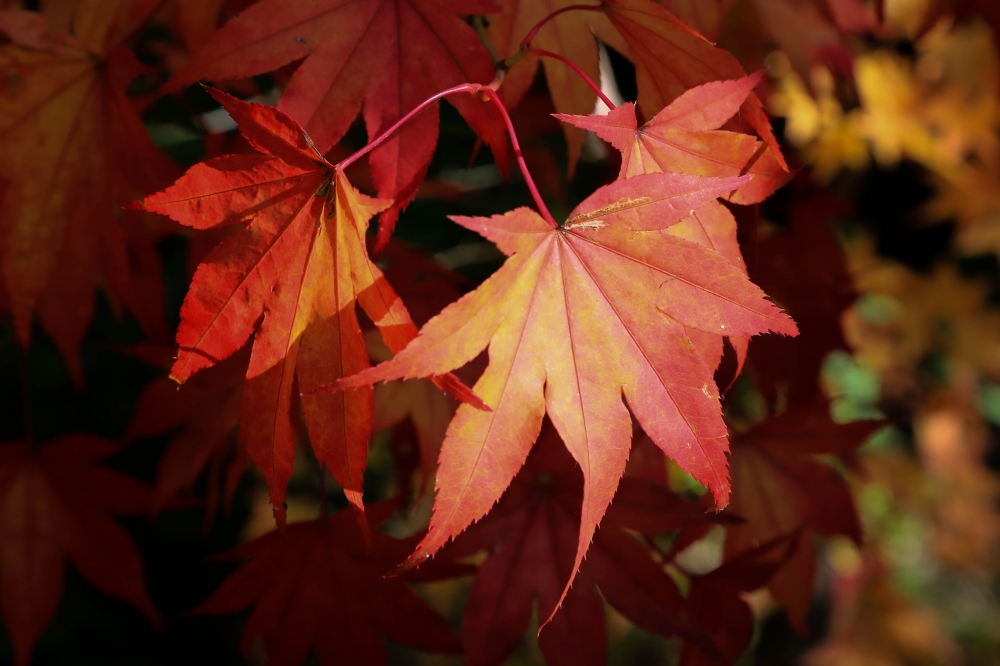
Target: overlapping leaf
(578, 317)
(417, 411)
(202, 417)
(718, 609)
(565, 35)
(416, 407)
(671, 58)
(54, 506)
(531, 536)
(74, 149)
(386, 55)
(780, 486)
(290, 277)
(685, 137)
(316, 588)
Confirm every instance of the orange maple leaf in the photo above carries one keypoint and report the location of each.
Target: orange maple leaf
(578, 317)
(685, 137)
(290, 277)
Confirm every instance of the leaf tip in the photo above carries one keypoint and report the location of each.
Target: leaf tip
(412, 562)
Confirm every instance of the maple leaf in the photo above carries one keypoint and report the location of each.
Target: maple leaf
(388, 56)
(671, 58)
(531, 536)
(685, 137)
(74, 149)
(577, 317)
(718, 609)
(202, 414)
(316, 586)
(290, 277)
(780, 486)
(54, 506)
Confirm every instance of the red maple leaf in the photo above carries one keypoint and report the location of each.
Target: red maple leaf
(579, 317)
(74, 150)
(718, 610)
(386, 56)
(54, 506)
(531, 537)
(290, 276)
(318, 586)
(780, 486)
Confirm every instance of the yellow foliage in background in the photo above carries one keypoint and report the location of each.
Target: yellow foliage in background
(929, 94)
(940, 108)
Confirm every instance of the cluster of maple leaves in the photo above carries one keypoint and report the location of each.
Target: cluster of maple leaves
(605, 332)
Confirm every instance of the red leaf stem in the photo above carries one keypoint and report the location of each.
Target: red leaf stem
(572, 65)
(472, 88)
(546, 215)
